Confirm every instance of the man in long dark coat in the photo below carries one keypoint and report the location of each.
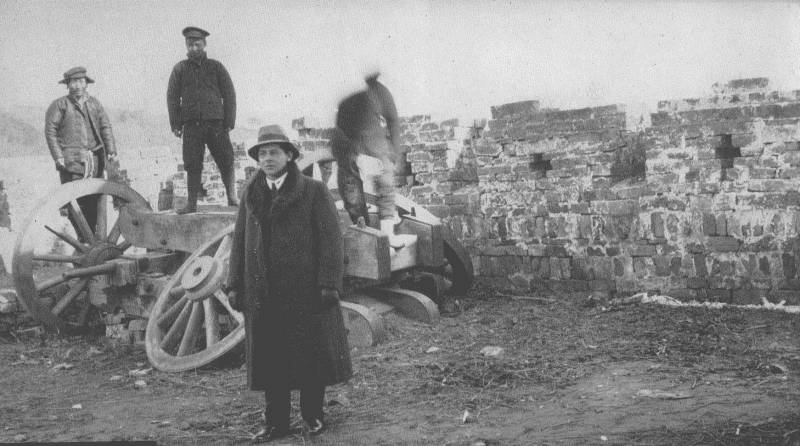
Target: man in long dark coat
(286, 271)
(201, 102)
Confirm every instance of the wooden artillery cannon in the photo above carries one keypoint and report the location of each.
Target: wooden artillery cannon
(169, 269)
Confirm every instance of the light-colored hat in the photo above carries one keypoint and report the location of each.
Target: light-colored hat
(273, 134)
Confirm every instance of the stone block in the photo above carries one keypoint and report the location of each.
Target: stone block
(723, 244)
(719, 295)
(657, 224)
(642, 251)
(696, 282)
(8, 301)
(514, 109)
(616, 207)
(721, 225)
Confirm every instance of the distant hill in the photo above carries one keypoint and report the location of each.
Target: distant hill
(22, 131)
(18, 138)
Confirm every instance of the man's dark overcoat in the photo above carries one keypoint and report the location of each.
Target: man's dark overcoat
(284, 250)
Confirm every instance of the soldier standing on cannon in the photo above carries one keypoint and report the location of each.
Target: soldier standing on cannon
(80, 139)
(202, 109)
(286, 269)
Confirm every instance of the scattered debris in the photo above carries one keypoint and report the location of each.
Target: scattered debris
(8, 301)
(644, 298)
(115, 378)
(77, 406)
(63, 366)
(20, 437)
(140, 372)
(139, 384)
(32, 332)
(492, 351)
(778, 368)
(658, 394)
(432, 350)
(93, 351)
(161, 423)
(603, 438)
(24, 360)
(466, 417)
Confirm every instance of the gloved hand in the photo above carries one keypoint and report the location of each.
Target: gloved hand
(328, 298)
(60, 163)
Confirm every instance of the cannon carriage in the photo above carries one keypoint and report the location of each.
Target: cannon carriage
(169, 270)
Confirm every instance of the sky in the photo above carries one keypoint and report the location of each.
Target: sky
(293, 58)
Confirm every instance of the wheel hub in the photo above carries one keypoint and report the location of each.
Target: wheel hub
(201, 278)
(99, 253)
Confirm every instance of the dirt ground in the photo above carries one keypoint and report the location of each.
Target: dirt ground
(572, 371)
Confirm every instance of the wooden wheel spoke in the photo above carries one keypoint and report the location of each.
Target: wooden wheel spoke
(50, 283)
(70, 240)
(73, 292)
(56, 258)
(169, 316)
(124, 246)
(175, 332)
(224, 248)
(79, 220)
(102, 217)
(223, 299)
(103, 268)
(192, 330)
(114, 233)
(211, 322)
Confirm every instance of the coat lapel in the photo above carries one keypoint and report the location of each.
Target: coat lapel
(290, 192)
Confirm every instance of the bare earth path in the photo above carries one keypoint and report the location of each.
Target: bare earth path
(572, 371)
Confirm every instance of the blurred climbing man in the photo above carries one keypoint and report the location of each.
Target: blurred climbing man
(366, 145)
(202, 109)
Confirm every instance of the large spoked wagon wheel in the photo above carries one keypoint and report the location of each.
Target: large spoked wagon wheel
(60, 256)
(192, 322)
(456, 275)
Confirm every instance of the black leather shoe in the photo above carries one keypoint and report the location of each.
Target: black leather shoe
(315, 427)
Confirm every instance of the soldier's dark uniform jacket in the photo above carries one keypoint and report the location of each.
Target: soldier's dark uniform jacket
(200, 90)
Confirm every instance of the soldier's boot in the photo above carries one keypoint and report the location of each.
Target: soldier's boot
(193, 186)
(230, 187)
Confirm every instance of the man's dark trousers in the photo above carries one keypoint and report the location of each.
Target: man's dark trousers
(196, 136)
(278, 403)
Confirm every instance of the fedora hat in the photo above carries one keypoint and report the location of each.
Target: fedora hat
(76, 73)
(273, 134)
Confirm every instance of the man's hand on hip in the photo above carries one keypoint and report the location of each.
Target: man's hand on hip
(177, 132)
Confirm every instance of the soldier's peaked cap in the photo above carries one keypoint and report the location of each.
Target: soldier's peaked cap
(193, 32)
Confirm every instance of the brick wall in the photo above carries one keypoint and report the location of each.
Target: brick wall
(703, 204)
